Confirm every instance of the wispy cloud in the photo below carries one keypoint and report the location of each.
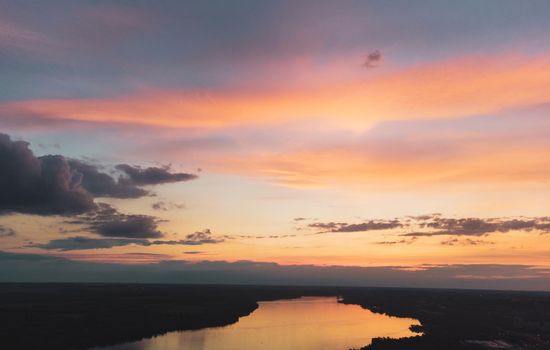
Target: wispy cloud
(20, 39)
(413, 93)
(371, 225)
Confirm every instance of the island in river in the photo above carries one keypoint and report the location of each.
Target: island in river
(82, 316)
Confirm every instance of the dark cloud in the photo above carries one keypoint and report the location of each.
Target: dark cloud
(479, 227)
(464, 226)
(437, 225)
(39, 185)
(138, 226)
(193, 252)
(85, 243)
(371, 225)
(42, 268)
(326, 226)
(6, 231)
(108, 222)
(54, 185)
(299, 219)
(373, 60)
(101, 184)
(128, 184)
(153, 175)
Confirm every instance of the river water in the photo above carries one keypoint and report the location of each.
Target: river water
(310, 323)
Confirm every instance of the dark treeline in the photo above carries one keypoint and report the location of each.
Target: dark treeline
(80, 316)
(462, 319)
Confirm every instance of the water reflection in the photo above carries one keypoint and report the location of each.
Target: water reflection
(305, 323)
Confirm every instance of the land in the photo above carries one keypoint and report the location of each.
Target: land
(80, 316)
(462, 319)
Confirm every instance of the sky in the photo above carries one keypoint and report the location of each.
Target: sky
(325, 142)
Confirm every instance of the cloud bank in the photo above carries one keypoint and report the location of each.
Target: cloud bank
(43, 268)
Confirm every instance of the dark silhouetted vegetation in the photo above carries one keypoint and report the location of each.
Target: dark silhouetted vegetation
(80, 316)
(462, 319)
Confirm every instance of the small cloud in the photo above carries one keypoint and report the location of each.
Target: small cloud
(373, 60)
(165, 206)
(153, 175)
(200, 237)
(402, 241)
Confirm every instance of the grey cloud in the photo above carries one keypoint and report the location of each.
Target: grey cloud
(103, 185)
(42, 268)
(153, 175)
(138, 226)
(39, 185)
(86, 243)
(480, 227)
(437, 225)
(371, 225)
(54, 185)
(465, 226)
(128, 184)
(373, 60)
(201, 237)
(108, 222)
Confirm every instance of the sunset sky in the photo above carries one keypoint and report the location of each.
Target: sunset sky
(401, 137)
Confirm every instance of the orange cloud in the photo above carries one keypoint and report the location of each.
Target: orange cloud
(465, 86)
(477, 163)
